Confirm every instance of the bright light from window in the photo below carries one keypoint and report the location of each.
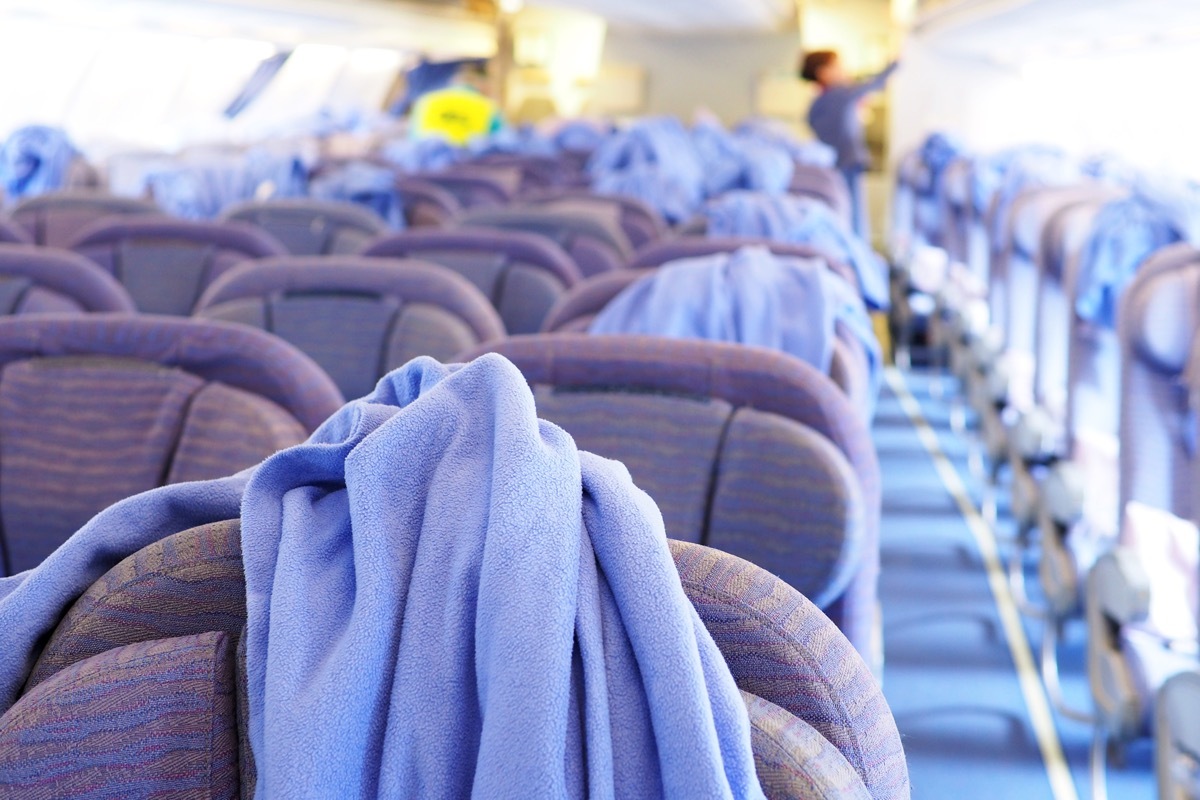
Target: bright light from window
(511, 6)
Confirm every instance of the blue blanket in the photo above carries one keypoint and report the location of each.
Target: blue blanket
(445, 598)
(800, 220)
(811, 153)
(750, 297)
(364, 184)
(34, 160)
(655, 161)
(1124, 234)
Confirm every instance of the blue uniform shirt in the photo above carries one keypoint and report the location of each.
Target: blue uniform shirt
(833, 117)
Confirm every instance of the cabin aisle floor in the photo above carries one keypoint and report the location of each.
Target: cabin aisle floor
(950, 674)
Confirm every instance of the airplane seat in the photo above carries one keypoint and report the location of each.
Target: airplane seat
(156, 648)
(99, 408)
(477, 186)
(655, 255)
(850, 364)
(12, 232)
(39, 280)
(166, 264)
(643, 225)
(592, 235)
(359, 318)
(535, 172)
(54, 219)
(426, 205)
(824, 184)
(1141, 601)
(524, 275)
(676, 410)
(309, 227)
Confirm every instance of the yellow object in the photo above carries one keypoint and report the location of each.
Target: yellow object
(456, 114)
(883, 331)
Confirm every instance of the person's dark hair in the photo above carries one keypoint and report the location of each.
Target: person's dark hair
(814, 62)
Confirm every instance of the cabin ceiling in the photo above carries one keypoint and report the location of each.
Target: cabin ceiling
(687, 16)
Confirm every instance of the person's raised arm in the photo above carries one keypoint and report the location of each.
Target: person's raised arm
(876, 83)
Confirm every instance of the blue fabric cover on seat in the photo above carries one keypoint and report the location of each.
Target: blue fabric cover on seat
(35, 160)
(539, 618)
(365, 184)
(749, 297)
(800, 220)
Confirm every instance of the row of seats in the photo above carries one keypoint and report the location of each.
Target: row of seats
(1064, 297)
(746, 450)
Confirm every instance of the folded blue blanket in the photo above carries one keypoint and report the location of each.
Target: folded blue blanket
(445, 598)
(750, 297)
(34, 160)
(800, 220)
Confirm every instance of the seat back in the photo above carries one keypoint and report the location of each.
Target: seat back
(817, 714)
(37, 280)
(476, 186)
(11, 232)
(94, 409)
(731, 442)
(166, 264)
(824, 184)
(426, 205)
(656, 255)
(312, 227)
(955, 194)
(577, 309)
(359, 318)
(55, 219)
(642, 225)
(592, 236)
(1158, 320)
(522, 274)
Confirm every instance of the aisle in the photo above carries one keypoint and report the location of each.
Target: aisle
(965, 714)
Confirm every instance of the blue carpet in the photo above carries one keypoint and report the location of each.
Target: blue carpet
(949, 675)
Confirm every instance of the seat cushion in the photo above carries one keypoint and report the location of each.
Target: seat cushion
(149, 720)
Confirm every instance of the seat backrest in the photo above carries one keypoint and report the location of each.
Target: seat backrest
(731, 442)
(661, 253)
(358, 317)
(477, 186)
(426, 205)
(37, 280)
(643, 225)
(97, 408)
(522, 274)
(11, 232)
(55, 219)
(1158, 319)
(578, 308)
(185, 596)
(312, 227)
(592, 236)
(166, 264)
(824, 184)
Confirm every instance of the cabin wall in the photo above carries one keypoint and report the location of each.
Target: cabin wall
(720, 72)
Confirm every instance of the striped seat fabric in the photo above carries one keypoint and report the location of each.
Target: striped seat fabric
(308, 227)
(12, 232)
(149, 648)
(642, 224)
(522, 274)
(166, 264)
(97, 408)
(56, 218)
(37, 280)
(359, 318)
(743, 449)
(592, 236)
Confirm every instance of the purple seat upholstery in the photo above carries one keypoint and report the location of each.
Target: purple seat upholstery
(166, 264)
(701, 425)
(359, 318)
(477, 186)
(578, 308)
(96, 408)
(426, 205)
(826, 185)
(522, 274)
(40, 279)
(12, 232)
(592, 235)
(55, 219)
(642, 224)
(820, 725)
(690, 247)
(312, 227)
